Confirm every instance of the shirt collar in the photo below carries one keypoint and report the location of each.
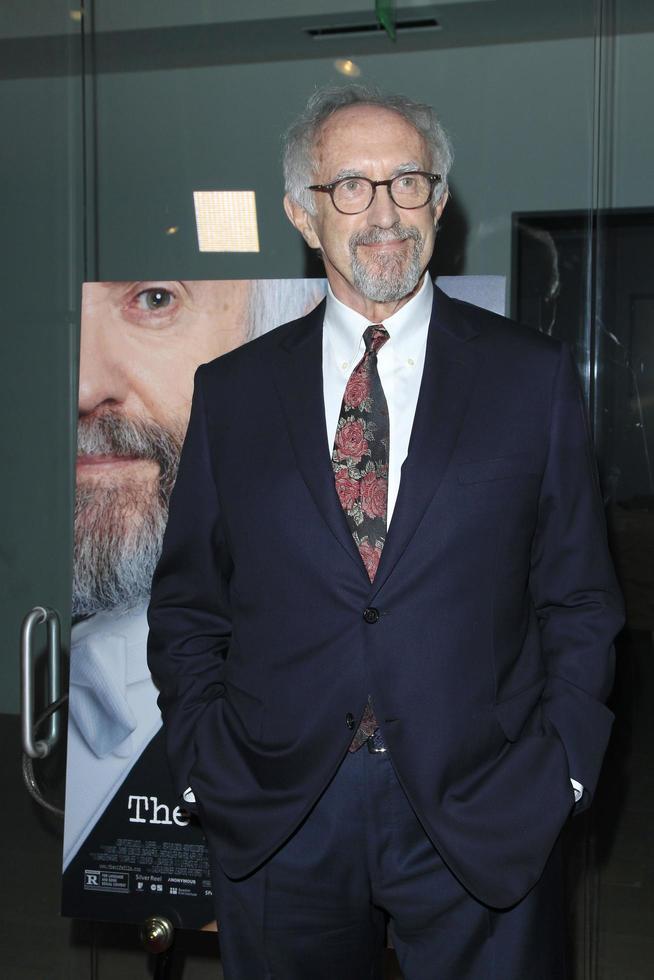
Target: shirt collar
(130, 626)
(407, 328)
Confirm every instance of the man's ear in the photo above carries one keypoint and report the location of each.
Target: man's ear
(440, 207)
(301, 220)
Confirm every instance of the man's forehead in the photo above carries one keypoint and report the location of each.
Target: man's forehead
(354, 118)
(367, 129)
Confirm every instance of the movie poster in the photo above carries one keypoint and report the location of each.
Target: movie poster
(130, 848)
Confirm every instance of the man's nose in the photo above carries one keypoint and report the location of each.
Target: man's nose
(383, 212)
(102, 375)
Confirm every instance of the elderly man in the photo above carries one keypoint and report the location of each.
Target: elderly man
(383, 617)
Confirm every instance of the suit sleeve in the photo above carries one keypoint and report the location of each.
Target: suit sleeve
(189, 619)
(573, 585)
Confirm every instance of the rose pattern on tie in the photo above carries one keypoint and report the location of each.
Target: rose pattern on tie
(361, 450)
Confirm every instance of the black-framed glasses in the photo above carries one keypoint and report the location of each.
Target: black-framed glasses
(352, 195)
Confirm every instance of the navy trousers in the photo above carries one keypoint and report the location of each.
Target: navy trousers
(318, 909)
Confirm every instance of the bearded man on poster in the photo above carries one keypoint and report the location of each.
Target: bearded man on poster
(382, 621)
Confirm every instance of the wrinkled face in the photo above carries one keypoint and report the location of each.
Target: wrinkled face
(140, 345)
(380, 254)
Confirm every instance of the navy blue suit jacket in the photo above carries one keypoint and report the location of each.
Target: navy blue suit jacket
(492, 654)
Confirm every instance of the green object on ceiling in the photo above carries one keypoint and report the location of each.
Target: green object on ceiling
(385, 10)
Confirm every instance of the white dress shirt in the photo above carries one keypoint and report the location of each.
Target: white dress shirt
(400, 362)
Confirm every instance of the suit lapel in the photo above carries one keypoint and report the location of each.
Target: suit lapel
(297, 367)
(448, 375)
(450, 368)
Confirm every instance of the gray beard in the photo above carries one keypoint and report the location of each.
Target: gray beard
(119, 527)
(387, 278)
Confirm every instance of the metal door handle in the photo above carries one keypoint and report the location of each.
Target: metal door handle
(39, 614)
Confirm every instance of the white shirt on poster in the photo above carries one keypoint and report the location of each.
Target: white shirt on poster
(113, 715)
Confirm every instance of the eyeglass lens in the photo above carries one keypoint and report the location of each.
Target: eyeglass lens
(354, 194)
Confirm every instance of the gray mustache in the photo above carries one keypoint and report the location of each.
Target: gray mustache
(114, 435)
(376, 236)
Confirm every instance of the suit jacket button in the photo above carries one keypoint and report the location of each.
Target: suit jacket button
(349, 720)
(371, 615)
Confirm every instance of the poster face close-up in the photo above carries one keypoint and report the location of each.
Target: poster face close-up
(130, 848)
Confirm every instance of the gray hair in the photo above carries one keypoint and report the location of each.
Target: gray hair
(300, 139)
(272, 302)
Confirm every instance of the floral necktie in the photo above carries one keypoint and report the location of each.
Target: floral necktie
(360, 463)
(360, 456)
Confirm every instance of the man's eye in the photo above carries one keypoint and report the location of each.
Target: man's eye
(407, 183)
(154, 299)
(351, 186)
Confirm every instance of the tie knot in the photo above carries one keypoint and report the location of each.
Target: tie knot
(374, 337)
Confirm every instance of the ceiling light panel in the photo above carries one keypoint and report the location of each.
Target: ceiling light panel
(226, 221)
